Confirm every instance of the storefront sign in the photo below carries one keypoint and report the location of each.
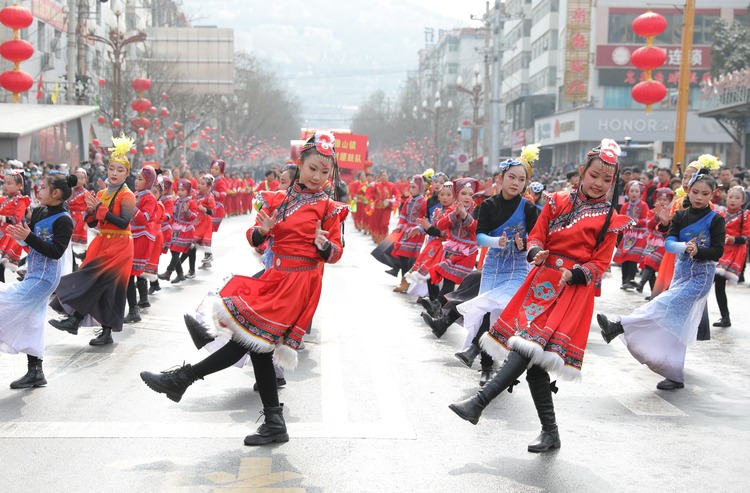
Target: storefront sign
(50, 12)
(619, 56)
(518, 139)
(630, 77)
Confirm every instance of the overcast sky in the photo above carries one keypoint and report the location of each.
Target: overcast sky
(334, 53)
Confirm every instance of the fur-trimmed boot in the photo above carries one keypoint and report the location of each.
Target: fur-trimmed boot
(199, 333)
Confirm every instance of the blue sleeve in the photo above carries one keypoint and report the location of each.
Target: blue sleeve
(486, 240)
(674, 246)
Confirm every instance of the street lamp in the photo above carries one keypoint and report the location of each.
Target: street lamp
(476, 94)
(117, 40)
(436, 111)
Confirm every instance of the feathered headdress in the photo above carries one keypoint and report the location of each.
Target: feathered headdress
(704, 164)
(529, 154)
(428, 175)
(120, 148)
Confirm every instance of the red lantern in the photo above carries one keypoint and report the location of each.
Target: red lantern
(164, 112)
(16, 17)
(95, 142)
(176, 125)
(649, 24)
(140, 122)
(141, 131)
(141, 105)
(152, 110)
(16, 50)
(150, 143)
(133, 151)
(116, 123)
(194, 145)
(164, 96)
(101, 119)
(157, 122)
(160, 140)
(170, 134)
(16, 81)
(102, 82)
(141, 84)
(649, 92)
(648, 58)
(180, 135)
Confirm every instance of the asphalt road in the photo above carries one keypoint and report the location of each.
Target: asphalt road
(367, 406)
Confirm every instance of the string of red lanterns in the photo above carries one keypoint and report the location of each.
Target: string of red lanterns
(16, 50)
(648, 58)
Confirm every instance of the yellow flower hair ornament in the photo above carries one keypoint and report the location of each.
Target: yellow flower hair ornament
(120, 149)
(709, 162)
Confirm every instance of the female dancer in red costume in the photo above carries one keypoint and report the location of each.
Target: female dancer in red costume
(544, 328)
(306, 227)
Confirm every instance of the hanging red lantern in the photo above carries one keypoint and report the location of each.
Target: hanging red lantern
(649, 24)
(16, 82)
(157, 122)
(160, 140)
(116, 123)
(141, 131)
(164, 112)
(141, 105)
(140, 122)
(648, 57)
(150, 143)
(180, 135)
(133, 151)
(95, 142)
(102, 82)
(194, 145)
(141, 84)
(170, 134)
(101, 119)
(152, 110)
(16, 50)
(176, 125)
(16, 17)
(164, 96)
(649, 92)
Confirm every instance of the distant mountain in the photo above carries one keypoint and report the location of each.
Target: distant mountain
(332, 53)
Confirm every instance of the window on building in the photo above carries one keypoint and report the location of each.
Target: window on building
(452, 45)
(41, 37)
(452, 68)
(621, 31)
(56, 49)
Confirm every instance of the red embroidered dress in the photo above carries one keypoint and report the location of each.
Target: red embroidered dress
(152, 267)
(433, 250)
(459, 248)
(274, 311)
(735, 255)
(166, 223)
(543, 321)
(77, 206)
(413, 209)
(143, 228)
(378, 193)
(220, 197)
(634, 240)
(13, 211)
(204, 226)
(653, 254)
(183, 224)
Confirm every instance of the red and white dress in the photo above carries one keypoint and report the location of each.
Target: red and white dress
(735, 255)
(12, 211)
(204, 222)
(634, 240)
(183, 225)
(152, 267)
(220, 197)
(432, 251)
(166, 223)
(459, 248)
(543, 321)
(77, 205)
(412, 210)
(273, 312)
(143, 229)
(653, 254)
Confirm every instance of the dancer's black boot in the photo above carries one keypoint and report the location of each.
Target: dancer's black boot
(133, 316)
(610, 330)
(541, 393)
(174, 383)
(648, 273)
(468, 355)
(103, 339)
(142, 286)
(34, 376)
(198, 331)
(273, 429)
(164, 276)
(471, 409)
(69, 324)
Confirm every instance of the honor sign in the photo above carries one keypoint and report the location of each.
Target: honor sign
(591, 125)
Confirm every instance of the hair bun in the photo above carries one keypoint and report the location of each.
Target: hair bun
(72, 180)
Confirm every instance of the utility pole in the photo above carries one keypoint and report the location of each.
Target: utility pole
(486, 160)
(496, 27)
(70, 55)
(683, 89)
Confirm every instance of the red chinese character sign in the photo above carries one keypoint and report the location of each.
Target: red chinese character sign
(648, 58)
(578, 41)
(16, 50)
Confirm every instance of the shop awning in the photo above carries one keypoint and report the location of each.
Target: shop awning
(18, 120)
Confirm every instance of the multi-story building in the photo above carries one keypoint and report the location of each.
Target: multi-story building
(579, 54)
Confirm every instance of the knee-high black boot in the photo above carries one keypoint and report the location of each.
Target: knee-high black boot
(34, 376)
(471, 409)
(648, 273)
(142, 286)
(541, 393)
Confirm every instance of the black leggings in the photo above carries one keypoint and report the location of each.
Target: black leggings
(175, 264)
(629, 270)
(405, 264)
(485, 358)
(436, 293)
(131, 293)
(229, 354)
(190, 255)
(720, 287)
